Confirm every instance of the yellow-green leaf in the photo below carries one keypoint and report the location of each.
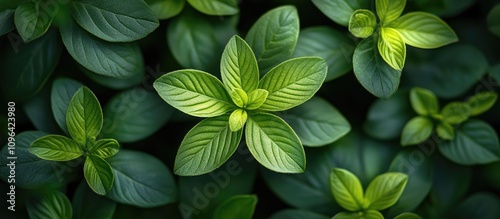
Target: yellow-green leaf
(389, 10)
(362, 23)
(392, 48)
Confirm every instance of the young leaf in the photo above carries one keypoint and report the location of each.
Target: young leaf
(56, 148)
(238, 206)
(104, 148)
(374, 74)
(373, 214)
(31, 22)
(407, 215)
(347, 215)
(62, 91)
(455, 112)
(475, 142)
(346, 189)
(292, 82)
(362, 23)
(274, 144)
(237, 119)
(238, 66)
(256, 98)
(273, 36)
(118, 60)
(423, 101)
(113, 20)
(49, 204)
(445, 131)
(424, 30)
(206, 146)
(239, 97)
(385, 190)
(98, 174)
(215, 7)
(84, 116)
(392, 48)
(416, 131)
(87, 204)
(481, 102)
(389, 10)
(340, 10)
(194, 92)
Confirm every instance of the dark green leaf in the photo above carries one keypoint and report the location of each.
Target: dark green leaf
(113, 82)
(31, 22)
(296, 214)
(7, 21)
(493, 20)
(99, 174)
(238, 206)
(62, 91)
(216, 7)
(39, 112)
(165, 9)
(84, 116)
(87, 204)
(56, 148)
(50, 204)
(447, 8)
(478, 205)
(340, 10)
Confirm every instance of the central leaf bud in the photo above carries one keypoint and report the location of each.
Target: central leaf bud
(237, 119)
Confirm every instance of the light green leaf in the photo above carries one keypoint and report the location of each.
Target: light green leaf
(56, 148)
(7, 19)
(423, 101)
(31, 22)
(98, 174)
(113, 20)
(238, 206)
(239, 97)
(493, 20)
(141, 180)
(362, 23)
(274, 144)
(206, 146)
(87, 204)
(62, 91)
(445, 131)
(373, 214)
(389, 10)
(385, 190)
(292, 82)
(256, 98)
(104, 148)
(475, 142)
(216, 7)
(165, 9)
(317, 122)
(49, 204)
(238, 66)
(424, 30)
(408, 215)
(194, 92)
(340, 10)
(119, 60)
(346, 189)
(237, 119)
(392, 47)
(346, 215)
(273, 36)
(481, 102)
(84, 116)
(455, 112)
(416, 131)
(374, 74)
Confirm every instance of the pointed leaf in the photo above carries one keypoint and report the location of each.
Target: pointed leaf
(31, 22)
(362, 23)
(238, 206)
(385, 190)
(424, 30)
(346, 215)
(340, 10)
(98, 174)
(392, 48)
(416, 131)
(239, 97)
(389, 10)
(84, 116)
(274, 144)
(238, 66)
(237, 119)
(423, 101)
(104, 148)
(62, 91)
(56, 147)
(455, 112)
(256, 98)
(346, 189)
(481, 102)
(215, 7)
(292, 82)
(49, 204)
(194, 92)
(206, 146)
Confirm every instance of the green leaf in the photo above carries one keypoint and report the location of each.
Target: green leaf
(56, 148)
(374, 74)
(274, 144)
(292, 82)
(104, 148)
(116, 83)
(49, 204)
(445, 131)
(38, 111)
(141, 180)
(134, 114)
(256, 98)
(114, 21)
(62, 91)
(362, 23)
(407, 215)
(237, 119)
(273, 36)
(416, 131)
(389, 10)
(385, 190)
(206, 146)
(7, 19)
(215, 7)
(475, 142)
(98, 174)
(238, 206)
(444, 8)
(492, 19)
(194, 92)
(455, 112)
(84, 116)
(373, 214)
(165, 9)
(424, 30)
(239, 97)
(31, 23)
(296, 214)
(238, 66)
(346, 189)
(317, 122)
(87, 204)
(340, 10)
(423, 101)
(481, 102)
(118, 60)
(347, 215)
(478, 205)
(330, 44)
(392, 47)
